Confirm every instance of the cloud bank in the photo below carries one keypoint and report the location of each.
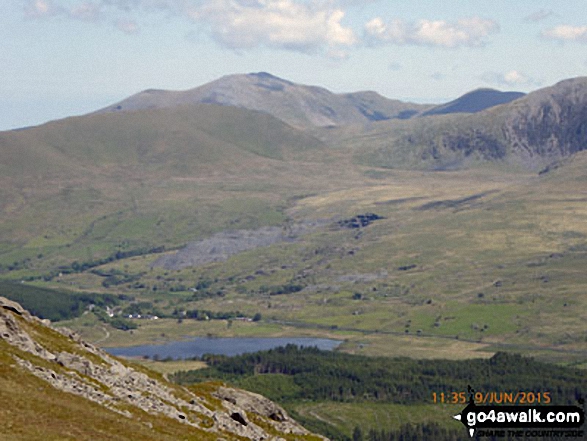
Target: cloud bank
(464, 32)
(275, 23)
(567, 33)
(307, 26)
(511, 78)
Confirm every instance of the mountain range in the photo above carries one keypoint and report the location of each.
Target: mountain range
(303, 106)
(295, 104)
(268, 129)
(258, 127)
(483, 125)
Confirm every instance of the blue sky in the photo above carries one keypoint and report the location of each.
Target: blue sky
(68, 57)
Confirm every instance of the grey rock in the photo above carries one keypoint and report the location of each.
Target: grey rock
(101, 378)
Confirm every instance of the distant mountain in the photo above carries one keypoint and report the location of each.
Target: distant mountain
(475, 101)
(531, 131)
(298, 105)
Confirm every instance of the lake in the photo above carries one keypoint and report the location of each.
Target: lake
(225, 346)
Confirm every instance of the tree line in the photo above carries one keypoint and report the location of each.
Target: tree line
(334, 376)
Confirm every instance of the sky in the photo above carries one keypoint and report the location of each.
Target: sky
(60, 58)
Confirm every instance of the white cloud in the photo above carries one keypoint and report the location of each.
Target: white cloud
(274, 23)
(80, 10)
(40, 8)
(567, 33)
(511, 78)
(515, 77)
(464, 32)
(302, 25)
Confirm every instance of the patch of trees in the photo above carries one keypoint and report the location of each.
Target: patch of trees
(204, 314)
(407, 267)
(140, 308)
(416, 432)
(206, 294)
(53, 304)
(276, 290)
(116, 277)
(334, 376)
(80, 267)
(17, 265)
(122, 323)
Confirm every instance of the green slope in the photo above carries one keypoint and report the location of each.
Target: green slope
(142, 179)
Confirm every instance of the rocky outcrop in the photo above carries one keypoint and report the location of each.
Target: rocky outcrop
(220, 246)
(534, 131)
(63, 360)
(257, 404)
(550, 123)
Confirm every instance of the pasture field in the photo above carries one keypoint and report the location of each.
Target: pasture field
(486, 257)
(458, 263)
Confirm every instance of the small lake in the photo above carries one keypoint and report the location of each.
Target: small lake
(225, 346)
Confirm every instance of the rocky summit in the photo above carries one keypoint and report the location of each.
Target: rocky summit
(53, 385)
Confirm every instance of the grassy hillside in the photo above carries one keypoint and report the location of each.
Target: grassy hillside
(460, 264)
(86, 188)
(452, 263)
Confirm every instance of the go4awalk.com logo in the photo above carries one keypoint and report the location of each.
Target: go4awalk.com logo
(523, 421)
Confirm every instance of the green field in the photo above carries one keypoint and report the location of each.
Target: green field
(378, 416)
(460, 262)
(457, 263)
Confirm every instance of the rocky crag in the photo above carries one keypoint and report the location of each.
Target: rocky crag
(31, 347)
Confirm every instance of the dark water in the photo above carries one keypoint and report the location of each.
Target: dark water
(225, 346)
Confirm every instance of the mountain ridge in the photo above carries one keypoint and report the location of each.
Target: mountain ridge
(531, 132)
(306, 105)
(298, 105)
(475, 101)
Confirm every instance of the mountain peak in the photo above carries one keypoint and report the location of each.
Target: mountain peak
(475, 101)
(296, 104)
(268, 76)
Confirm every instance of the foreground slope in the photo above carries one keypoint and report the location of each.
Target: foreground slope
(60, 387)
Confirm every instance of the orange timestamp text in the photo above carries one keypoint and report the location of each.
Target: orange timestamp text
(492, 397)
